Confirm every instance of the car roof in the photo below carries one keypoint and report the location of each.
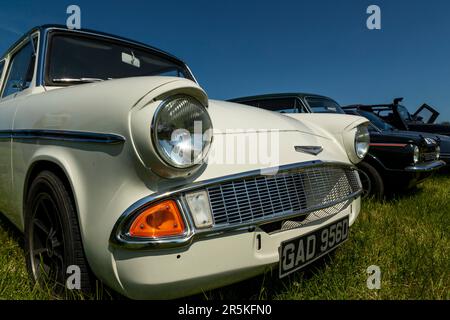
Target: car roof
(94, 32)
(279, 95)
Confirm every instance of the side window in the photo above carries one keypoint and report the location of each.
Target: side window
(282, 105)
(385, 114)
(424, 115)
(21, 70)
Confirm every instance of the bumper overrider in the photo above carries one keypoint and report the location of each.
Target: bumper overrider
(252, 214)
(446, 158)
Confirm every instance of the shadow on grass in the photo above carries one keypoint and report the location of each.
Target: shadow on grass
(11, 230)
(444, 172)
(403, 194)
(266, 286)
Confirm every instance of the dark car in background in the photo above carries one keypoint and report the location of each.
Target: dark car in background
(396, 114)
(402, 125)
(396, 160)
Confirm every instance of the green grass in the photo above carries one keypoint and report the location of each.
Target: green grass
(407, 237)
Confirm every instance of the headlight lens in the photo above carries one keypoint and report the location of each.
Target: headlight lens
(362, 141)
(182, 131)
(416, 154)
(438, 153)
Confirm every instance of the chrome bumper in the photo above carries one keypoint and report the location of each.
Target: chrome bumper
(426, 167)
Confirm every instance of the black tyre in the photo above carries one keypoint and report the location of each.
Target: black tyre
(372, 181)
(52, 236)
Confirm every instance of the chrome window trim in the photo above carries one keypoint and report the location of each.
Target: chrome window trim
(42, 50)
(120, 238)
(62, 135)
(2, 69)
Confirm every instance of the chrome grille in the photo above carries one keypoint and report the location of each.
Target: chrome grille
(316, 216)
(429, 156)
(294, 192)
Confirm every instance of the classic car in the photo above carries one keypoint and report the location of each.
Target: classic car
(423, 120)
(292, 103)
(396, 159)
(443, 140)
(109, 155)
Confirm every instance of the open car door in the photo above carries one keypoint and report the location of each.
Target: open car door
(426, 114)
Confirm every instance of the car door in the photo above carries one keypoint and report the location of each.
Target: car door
(17, 77)
(5, 145)
(6, 115)
(426, 114)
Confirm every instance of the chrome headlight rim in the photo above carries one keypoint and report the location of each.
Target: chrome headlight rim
(416, 154)
(362, 131)
(160, 153)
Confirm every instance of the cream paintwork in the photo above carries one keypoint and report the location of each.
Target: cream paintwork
(108, 179)
(342, 128)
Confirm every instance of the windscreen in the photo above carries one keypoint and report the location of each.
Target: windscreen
(323, 105)
(76, 57)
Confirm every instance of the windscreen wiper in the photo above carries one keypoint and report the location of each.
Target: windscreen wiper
(77, 80)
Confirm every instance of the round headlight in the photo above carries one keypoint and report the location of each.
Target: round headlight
(362, 141)
(438, 152)
(416, 154)
(182, 131)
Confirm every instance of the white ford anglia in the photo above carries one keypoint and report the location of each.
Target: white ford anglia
(105, 165)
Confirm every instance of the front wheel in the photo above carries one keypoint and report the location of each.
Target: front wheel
(371, 180)
(53, 244)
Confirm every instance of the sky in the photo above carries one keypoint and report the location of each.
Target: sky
(240, 48)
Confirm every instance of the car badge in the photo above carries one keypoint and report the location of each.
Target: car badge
(314, 150)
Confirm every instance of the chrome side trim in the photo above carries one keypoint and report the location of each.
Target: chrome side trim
(120, 238)
(62, 135)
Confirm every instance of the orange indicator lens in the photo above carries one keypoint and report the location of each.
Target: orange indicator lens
(160, 220)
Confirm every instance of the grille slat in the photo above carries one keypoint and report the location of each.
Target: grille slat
(286, 193)
(429, 156)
